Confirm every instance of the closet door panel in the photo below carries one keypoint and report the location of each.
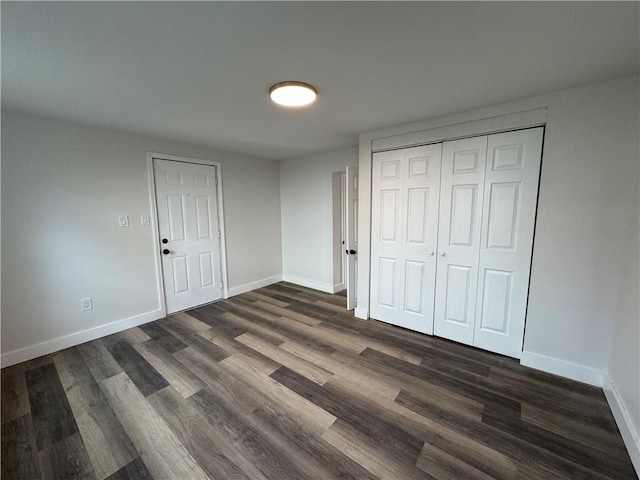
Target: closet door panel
(405, 188)
(386, 243)
(419, 236)
(511, 190)
(459, 235)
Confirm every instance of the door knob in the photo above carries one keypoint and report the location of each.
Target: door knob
(166, 251)
(352, 252)
(431, 253)
(164, 240)
(442, 254)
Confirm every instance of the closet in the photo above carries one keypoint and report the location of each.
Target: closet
(452, 236)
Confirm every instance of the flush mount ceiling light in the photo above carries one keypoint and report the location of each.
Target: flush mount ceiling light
(293, 94)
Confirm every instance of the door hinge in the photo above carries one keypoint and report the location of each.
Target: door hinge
(219, 235)
(216, 182)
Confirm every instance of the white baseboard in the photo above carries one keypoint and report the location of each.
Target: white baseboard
(338, 287)
(247, 287)
(563, 368)
(623, 420)
(305, 282)
(50, 346)
(362, 313)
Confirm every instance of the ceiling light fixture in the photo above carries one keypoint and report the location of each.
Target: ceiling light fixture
(293, 94)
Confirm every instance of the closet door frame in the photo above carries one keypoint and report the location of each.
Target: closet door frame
(476, 303)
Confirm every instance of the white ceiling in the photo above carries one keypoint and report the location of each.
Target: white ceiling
(199, 71)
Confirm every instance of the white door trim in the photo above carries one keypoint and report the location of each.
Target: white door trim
(154, 221)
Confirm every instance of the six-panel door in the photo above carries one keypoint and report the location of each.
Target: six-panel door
(187, 209)
(461, 195)
(404, 228)
(511, 191)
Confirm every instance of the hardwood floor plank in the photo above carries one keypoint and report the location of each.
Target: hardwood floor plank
(163, 454)
(256, 359)
(286, 312)
(256, 330)
(360, 417)
(361, 449)
(311, 416)
(51, 414)
(467, 389)
(15, 399)
(419, 388)
(424, 427)
(146, 378)
(226, 385)
(578, 431)
(590, 458)
(163, 337)
(250, 442)
(503, 442)
(134, 335)
(66, 459)
(107, 444)
(341, 371)
(310, 452)
(191, 427)
(442, 466)
(188, 322)
(135, 470)
(312, 372)
(98, 360)
(180, 377)
(19, 450)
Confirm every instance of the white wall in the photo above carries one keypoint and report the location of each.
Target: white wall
(306, 196)
(63, 187)
(586, 190)
(622, 383)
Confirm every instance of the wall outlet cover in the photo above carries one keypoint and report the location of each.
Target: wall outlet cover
(145, 220)
(123, 221)
(86, 304)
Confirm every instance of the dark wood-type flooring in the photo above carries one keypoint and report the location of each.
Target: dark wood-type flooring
(284, 383)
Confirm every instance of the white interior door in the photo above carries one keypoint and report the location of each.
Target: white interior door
(351, 240)
(188, 224)
(406, 186)
(461, 201)
(511, 190)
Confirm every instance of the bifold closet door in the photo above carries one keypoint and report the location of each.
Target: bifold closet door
(509, 212)
(461, 201)
(404, 226)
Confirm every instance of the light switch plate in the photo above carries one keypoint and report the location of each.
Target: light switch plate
(145, 220)
(123, 221)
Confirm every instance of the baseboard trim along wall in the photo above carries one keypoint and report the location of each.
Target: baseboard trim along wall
(305, 282)
(44, 348)
(338, 287)
(247, 287)
(563, 368)
(623, 420)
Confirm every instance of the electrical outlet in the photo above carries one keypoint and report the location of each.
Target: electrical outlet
(86, 304)
(145, 220)
(123, 221)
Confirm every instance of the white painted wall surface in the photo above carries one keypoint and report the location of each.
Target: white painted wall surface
(588, 185)
(622, 384)
(306, 197)
(63, 188)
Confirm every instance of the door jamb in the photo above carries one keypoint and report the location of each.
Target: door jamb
(154, 221)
